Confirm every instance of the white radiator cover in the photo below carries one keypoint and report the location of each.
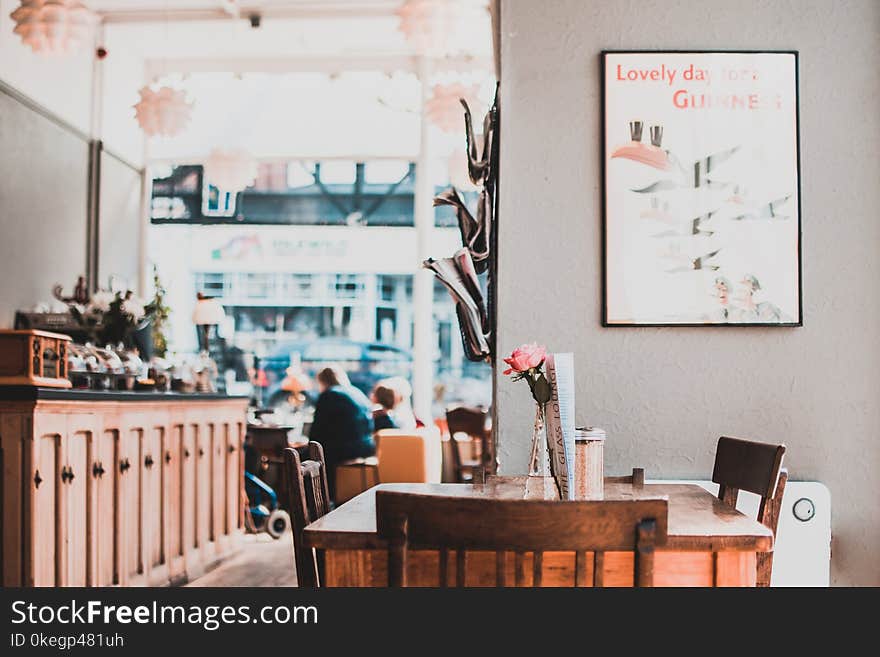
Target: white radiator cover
(802, 555)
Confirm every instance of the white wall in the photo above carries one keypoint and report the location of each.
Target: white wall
(665, 394)
(62, 85)
(122, 75)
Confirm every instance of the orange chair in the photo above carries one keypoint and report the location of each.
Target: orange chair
(409, 456)
(401, 457)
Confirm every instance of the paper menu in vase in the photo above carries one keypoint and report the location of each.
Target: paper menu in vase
(559, 421)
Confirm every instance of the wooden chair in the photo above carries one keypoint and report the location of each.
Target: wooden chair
(637, 478)
(471, 421)
(450, 523)
(757, 468)
(309, 499)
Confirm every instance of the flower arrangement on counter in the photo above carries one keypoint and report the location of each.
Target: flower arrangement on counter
(113, 317)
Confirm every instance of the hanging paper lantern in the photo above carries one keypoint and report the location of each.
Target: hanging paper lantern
(164, 111)
(53, 26)
(440, 27)
(444, 109)
(231, 170)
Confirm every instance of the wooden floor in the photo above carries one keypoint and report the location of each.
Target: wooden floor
(263, 561)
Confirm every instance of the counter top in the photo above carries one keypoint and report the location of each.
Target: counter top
(30, 393)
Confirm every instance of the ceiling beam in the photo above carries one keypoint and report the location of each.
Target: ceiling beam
(388, 63)
(232, 9)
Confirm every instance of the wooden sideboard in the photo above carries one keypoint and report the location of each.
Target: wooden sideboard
(127, 489)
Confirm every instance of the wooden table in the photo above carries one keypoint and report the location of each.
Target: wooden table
(709, 543)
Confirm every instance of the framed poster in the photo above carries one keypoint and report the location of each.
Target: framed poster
(701, 189)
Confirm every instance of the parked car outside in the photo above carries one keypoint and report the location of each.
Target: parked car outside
(366, 363)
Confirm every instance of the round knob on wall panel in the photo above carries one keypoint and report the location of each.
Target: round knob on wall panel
(804, 509)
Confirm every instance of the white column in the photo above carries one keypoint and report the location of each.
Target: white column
(423, 281)
(368, 309)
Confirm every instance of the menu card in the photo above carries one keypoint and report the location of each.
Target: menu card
(560, 415)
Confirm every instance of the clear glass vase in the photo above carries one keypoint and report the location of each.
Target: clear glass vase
(538, 456)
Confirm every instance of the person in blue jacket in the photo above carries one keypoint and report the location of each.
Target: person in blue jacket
(343, 422)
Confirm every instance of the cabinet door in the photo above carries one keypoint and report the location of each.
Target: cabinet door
(151, 497)
(45, 482)
(188, 487)
(234, 481)
(203, 485)
(128, 467)
(102, 506)
(218, 476)
(74, 493)
(171, 516)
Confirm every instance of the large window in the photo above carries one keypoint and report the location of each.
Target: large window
(297, 192)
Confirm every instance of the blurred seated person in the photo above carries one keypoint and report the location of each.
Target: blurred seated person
(404, 416)
(385, 399)
(343, 421)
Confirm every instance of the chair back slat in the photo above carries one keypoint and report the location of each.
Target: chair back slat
(647, 530)
(443, 573)
(747, 465)
(728, 494)
(537, 568)
(311, 477)
(471, 421)
(580, 568)
(520, 526)
(598, 568)
(768, 515)
(308, 500)
(519, 566)
(460, 567)
(316, 453)
(397, 550)
(500, 568)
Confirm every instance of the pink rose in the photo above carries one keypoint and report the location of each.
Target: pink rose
(526, 357)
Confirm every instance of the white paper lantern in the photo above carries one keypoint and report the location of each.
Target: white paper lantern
(231, 170)
(53, 26)
(444, 109)
(437, 28)
(164, 111)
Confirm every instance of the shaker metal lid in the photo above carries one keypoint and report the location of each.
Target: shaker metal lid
(589, 433)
